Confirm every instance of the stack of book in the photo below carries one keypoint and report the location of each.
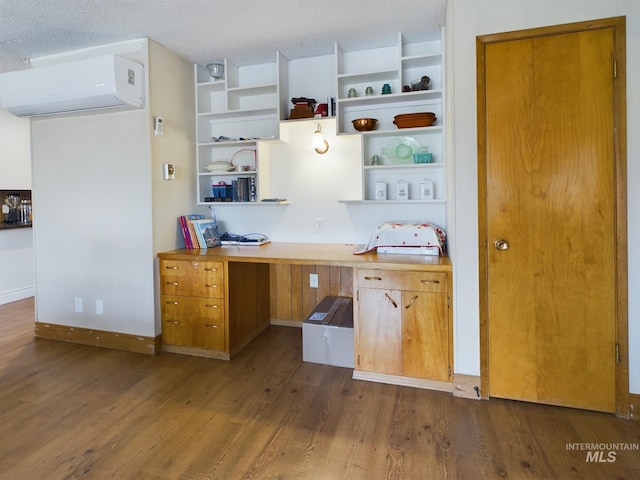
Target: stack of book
(198, 231)
(242, 189)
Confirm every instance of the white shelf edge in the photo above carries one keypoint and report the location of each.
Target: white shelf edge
(227, 174)
(395, 202)
(213, 83)
(402, 131)
(236, 143)
(265, 86)
(421, 56)
(391, 97)
(227, 113)
(377, 73)
(246, 204)
(405, 166)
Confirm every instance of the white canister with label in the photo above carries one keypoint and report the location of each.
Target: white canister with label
(426, 190)
(402, 190)
(381, 190)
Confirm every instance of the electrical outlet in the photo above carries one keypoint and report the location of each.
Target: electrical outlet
(319, 224)
(99, 307)
(313, 280)
(78, 305)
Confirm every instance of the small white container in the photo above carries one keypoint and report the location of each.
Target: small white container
(402, 190)
(381, 190)
(426, 190)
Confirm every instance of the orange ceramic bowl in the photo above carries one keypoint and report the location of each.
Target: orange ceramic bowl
(413, 120)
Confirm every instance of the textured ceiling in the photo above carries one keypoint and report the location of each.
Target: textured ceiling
(204, 30)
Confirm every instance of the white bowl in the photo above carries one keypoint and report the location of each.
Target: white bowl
(219, 166)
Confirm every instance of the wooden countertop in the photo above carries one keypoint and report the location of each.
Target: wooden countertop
(310, 254)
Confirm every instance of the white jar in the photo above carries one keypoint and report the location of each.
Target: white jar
(426, 190)
(381, 190)
(402, 190)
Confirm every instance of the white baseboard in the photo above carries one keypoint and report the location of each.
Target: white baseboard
(17, 294)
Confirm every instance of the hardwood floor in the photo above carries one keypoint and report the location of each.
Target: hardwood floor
(71, 411)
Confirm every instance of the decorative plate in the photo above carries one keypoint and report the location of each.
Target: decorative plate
(401, 150)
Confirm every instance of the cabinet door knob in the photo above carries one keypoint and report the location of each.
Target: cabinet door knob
(211, 285)
(171, 268)
(208, 325)
(413, 300)
(211, 305)
(175, 322)
(171, 303)
(429, 282)
(373, 278)
(210, 269)
(172, 283)
(393, 302)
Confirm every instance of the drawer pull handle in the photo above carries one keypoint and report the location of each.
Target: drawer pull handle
(428, 282)
(393, 302)
(208, 325)
(211, 305)
(211, 285)
(172, 283)
(171, 303)
(175, 322)
(171, 268)
(413, 300)
(210, 269)
(373, 278)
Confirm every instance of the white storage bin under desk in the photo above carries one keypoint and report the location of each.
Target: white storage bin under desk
(327, 334)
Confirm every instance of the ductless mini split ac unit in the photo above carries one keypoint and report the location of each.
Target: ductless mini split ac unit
(107, 81)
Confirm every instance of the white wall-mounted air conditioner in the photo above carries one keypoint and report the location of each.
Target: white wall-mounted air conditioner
(107, 81)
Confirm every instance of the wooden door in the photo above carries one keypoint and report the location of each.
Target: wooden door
(548, 185)
(425, 335)
(379, 331)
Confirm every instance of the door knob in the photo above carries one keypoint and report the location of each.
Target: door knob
(501, 244)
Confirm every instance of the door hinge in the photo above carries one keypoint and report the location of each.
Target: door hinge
(358, 360)
(617, 353)
(357, 295)
(615, 68)
(449, 370)
(448, 301)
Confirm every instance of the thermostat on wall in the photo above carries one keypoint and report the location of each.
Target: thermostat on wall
(157, 125)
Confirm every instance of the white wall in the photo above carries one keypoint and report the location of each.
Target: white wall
(467, 19)
(15, 154)
(95, 187)
(173, 101)
(17, 274)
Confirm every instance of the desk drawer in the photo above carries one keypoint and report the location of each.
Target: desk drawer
(192, 286)
(193, 322)
(414, 281)
(210, 270)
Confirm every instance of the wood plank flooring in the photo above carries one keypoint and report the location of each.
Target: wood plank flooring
(71, 411)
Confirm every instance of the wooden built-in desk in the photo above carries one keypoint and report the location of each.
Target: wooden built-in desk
(311, 254)
(215, 301)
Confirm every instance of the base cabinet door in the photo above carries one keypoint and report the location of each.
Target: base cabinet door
(379, 346)
(425, 338)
